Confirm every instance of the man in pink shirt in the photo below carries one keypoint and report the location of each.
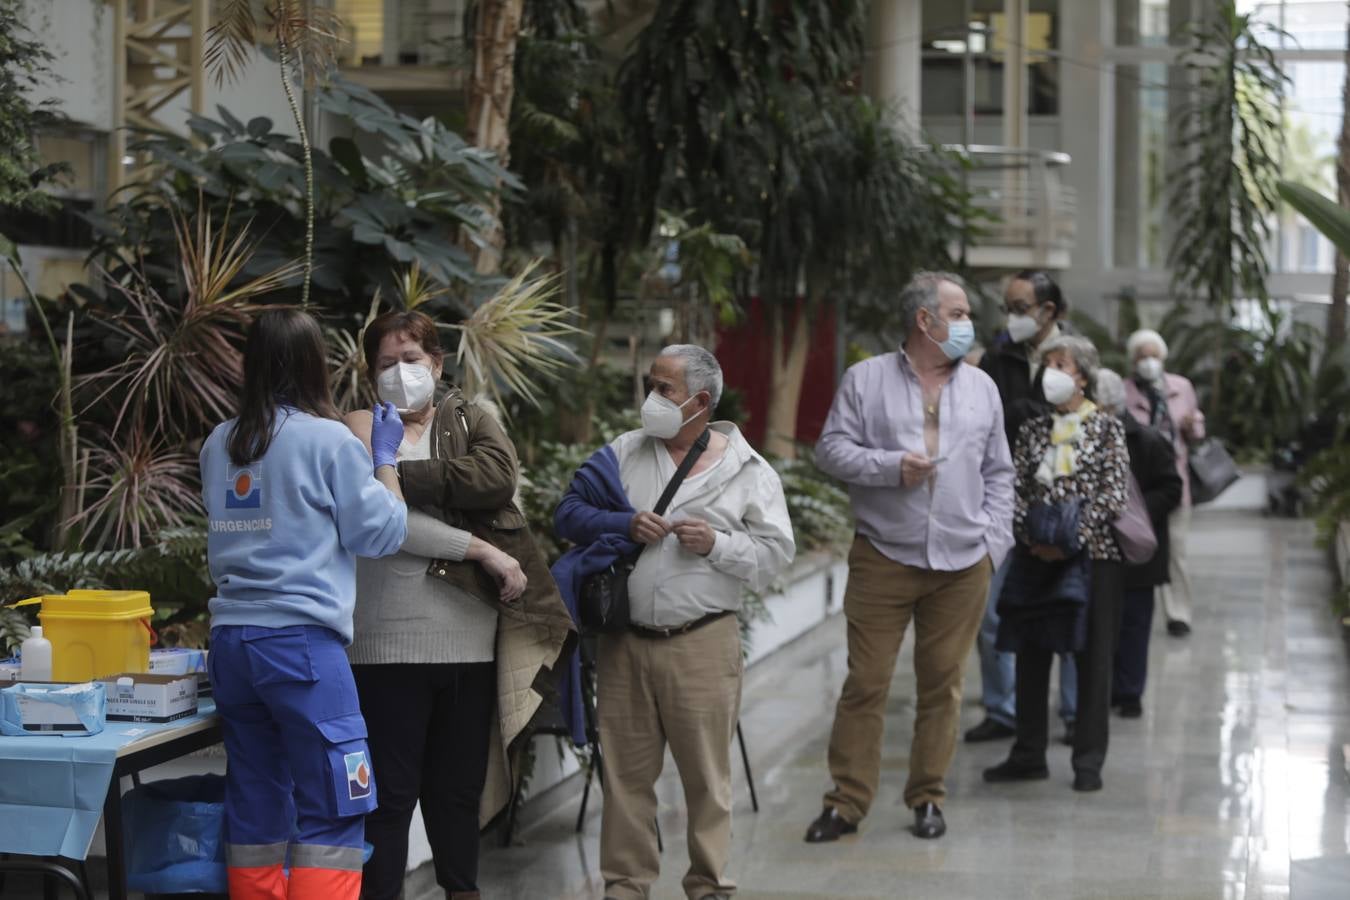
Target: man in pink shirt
(917, 436)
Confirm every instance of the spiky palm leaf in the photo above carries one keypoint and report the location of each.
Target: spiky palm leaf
(308, 36)
(181, 365)
(415, 288)
(139, 485)
(516, 338)
(311, 34)
(347, 363)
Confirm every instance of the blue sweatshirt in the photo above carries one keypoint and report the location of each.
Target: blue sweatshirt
(284, 531)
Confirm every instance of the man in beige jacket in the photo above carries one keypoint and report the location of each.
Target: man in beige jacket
(674, 677)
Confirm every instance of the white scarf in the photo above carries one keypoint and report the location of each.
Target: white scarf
(1066, 433)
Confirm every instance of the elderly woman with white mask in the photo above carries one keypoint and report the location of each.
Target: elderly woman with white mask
(1153, 468)
(1065, 588)
(1166, 402)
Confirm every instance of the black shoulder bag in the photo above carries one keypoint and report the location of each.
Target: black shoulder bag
(603, 605)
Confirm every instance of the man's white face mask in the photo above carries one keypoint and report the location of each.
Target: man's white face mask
(662, 418)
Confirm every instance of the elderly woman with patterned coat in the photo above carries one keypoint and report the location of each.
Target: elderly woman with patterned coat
(1065, 588)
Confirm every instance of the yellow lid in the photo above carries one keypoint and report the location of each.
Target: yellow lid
(98, 604)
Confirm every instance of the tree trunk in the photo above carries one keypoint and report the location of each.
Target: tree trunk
(791, 345)
(1340, 281)
(491, 88)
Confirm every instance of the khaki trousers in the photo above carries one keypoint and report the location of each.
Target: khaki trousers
(684, 692)
(882, 598)
(1176, 596)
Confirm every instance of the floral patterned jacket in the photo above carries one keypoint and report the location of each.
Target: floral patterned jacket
(1101, 480)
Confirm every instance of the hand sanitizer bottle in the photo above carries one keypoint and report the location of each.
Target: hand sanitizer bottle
(36, 657)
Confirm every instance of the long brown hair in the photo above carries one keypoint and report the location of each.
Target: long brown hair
(285, 363)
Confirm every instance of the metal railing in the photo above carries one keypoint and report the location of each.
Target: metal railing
(1033, 214)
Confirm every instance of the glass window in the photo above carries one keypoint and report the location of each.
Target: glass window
(1311, 24)
(363, 26)
(1152, 23)
(1312, 121)
(1141, 152)
(980, 30)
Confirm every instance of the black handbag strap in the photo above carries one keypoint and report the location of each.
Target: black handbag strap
(677, 479)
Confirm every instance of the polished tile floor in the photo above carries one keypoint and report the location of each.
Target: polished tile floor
(1234, 785)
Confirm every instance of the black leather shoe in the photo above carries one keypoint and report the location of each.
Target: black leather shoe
(1178, 629)
(1131, 709)
(928, 821)
(1087, 782)
(829, 826)
(1011, 771)
(1070, 730)
(989, 730)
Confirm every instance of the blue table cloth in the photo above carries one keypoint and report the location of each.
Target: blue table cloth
(52, 788)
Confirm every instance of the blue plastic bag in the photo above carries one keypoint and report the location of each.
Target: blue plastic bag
(176, 836)
(176, 831)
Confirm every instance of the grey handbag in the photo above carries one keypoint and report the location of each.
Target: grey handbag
(1134, 531)
(1212, 470)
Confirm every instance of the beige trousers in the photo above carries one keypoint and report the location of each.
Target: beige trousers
(1176, 596)
(683, 692)
(883, 597)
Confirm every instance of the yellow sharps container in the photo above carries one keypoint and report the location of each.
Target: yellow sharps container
(96, 633)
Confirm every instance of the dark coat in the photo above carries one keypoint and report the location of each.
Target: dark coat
(1153, 464)
(471, 477)
(1006, 363)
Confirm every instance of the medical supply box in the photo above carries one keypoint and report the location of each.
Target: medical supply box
(142, 697)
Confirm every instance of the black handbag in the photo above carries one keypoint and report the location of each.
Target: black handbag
(603, 605)
(1212, 471)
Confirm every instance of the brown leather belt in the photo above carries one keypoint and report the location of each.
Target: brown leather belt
(676, 630)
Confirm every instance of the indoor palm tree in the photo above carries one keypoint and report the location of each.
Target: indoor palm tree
(1223, 195)
(307, 37)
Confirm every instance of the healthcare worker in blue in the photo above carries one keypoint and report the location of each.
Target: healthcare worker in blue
(291, 501)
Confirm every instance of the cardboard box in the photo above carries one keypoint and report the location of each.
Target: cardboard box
(142, 697)
(43, 708)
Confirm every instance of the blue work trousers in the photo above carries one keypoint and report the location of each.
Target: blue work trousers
(299, 778)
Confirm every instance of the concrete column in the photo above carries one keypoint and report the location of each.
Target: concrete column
(1015, 75)
(1086, 108)
(894, 48)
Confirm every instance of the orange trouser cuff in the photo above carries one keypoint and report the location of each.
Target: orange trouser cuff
(257, 882)
(324, 884)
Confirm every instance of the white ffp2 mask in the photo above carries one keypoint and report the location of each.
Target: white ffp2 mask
(1150, 368)
(1058, 387)
(409, 386)
(662, 418)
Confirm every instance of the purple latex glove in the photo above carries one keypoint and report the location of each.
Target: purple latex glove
(386, 433)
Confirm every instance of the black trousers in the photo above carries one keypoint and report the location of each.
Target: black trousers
(429, 730)
(1095, 663)
(1136, 625)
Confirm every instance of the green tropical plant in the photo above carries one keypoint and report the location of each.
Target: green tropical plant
(1222, 192)
(750, 115)
(377, 214)
(515, 338)
(25, 65)
(307, 37)
(180, 355)
(138, 488)
(822, 516)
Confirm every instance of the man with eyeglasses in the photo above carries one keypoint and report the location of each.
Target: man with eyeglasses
(1035, 306)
